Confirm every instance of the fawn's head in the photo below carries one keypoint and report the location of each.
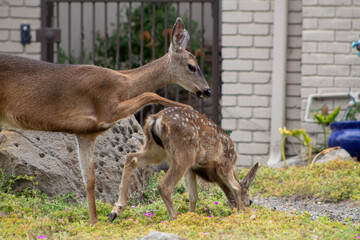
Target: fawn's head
(183, 65)
(245, 185)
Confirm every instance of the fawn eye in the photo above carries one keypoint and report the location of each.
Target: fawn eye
(192, 68)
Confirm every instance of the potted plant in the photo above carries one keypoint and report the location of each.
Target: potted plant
(346, 133)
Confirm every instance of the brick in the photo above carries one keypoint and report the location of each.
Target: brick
(294, 18)
(295, 30)
(347, 58)
(235, 112)
(293, 78)
(236, 89)
(295, 6)
(348, 12)
(355, 24)
(254, 5)
(263, 41)
(241, 136)
(293, 54)
(253, 148)
(15, 35)
(228, 124)
(254, 124)
(309, 2)
(305, 92)
(4, 11)
(254, 77)
(261, 136)
(229, 5)
(229, 77)
(293, 66)
(240, 65)
(236, 17)
(228, 100)
(352, 82)
(15, 23)
(253, 53)
(34, 47)
(334, 47)
(244, 161)
(262, 89)
(229, 28)
(309, 47)
(308, 69)
(263, 66)
(334, 2)
(4, 35)
(16, 2)
(292, 113)
(346, 36)
(253, 101)
(294, 42)
(263, 17)
(310, 23)
(315, 81)
(320, 35)
(22, 12)
(237, 41)
(293, 90)
(317, 58)
(355, 70)
(334, 70)
(10, 47)
(338, 24)
(253, 29)
(32, 3)
(318, 12)
(227, 53)
(264, 113)
(293, 102)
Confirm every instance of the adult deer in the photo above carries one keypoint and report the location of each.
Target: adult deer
(87, 100)
(194, 146)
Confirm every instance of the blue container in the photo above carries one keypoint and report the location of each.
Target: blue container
(346, 134)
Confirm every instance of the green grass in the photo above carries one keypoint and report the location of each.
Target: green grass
(31, 215)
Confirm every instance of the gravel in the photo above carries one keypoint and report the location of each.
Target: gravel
(342, 211)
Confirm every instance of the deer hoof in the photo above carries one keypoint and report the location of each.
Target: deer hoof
(112, 216)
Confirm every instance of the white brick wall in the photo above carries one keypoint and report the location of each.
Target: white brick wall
(329, 64)
(247, 68)
(12, 14)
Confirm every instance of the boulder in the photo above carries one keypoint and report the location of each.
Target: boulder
(156, 235)
(53, 159)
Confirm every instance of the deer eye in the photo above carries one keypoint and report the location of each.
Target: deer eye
(192, 68)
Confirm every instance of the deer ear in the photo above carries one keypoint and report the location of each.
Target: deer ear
(180, 37)
(249, 178)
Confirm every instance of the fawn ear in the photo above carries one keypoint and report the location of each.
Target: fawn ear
(179, 36)
(249, 178)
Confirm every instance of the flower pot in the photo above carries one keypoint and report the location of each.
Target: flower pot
(346, 134)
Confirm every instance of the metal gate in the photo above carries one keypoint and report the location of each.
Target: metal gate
(147, 24)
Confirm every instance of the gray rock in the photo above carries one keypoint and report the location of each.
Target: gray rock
(155, 235)
(53, 159)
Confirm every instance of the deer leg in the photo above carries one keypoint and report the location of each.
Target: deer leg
(86, 145)
(166, 186)
(190, 182)
(131, 106)
(133, 160)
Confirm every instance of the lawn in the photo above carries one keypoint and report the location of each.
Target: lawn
(31, 215)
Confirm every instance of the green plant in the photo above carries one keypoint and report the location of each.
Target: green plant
(306, 141)
(354, 112)
(324, 119)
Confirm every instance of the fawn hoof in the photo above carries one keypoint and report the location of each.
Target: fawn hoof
(112, 216)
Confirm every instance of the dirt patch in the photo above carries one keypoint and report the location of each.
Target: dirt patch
(343, 211)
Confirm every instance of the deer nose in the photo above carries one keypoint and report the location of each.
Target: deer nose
(207, 92)
(250, 202)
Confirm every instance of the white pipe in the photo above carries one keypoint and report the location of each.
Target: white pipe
(278, 78)
(354, 95)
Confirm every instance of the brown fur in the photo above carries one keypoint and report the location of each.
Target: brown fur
(194, 146)
(87, 100)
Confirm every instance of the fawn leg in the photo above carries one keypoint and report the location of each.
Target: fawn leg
(86, 145)
(190, 182)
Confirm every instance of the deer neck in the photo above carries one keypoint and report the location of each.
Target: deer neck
(150, 77)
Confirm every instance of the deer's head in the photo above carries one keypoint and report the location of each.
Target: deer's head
(184, 68)
(245, 185)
